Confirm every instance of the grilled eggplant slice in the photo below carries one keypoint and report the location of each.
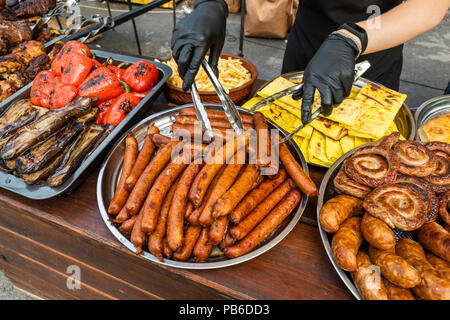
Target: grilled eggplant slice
(76, 155)
(41, 154)
(44, 173)
(43, 127)
(17, 115)
(106, 131)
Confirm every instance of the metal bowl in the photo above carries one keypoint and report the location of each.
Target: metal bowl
(430, 109)
(404, 118)
(110, 172)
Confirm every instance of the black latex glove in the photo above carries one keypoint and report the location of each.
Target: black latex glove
(331, 71)
(195, 34)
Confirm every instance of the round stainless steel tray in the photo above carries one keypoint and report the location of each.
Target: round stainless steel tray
(404, 119)
(110, 172)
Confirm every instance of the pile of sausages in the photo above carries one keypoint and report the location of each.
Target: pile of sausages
(208, 204)
(405, 259)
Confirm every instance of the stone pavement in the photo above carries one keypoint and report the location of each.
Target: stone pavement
(425, 74)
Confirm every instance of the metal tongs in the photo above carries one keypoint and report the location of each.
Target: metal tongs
(360, 69)
(106, 22)
(228, 105)
(61, 9)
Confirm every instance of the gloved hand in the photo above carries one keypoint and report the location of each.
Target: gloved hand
(195, 34)
(331, 71)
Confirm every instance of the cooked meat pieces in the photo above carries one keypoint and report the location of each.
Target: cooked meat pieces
(6, 89)
(9, 64)
(27, 51)
(15, 32)
(56, 48)
(44, 35)
(3, 46)
(35, 8)
(8, 15)
(39, 63)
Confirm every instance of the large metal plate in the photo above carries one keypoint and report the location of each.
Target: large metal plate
(404, 119)
(17, 185)
(110, 172)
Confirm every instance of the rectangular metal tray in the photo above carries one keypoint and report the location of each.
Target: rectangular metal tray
(39, 192)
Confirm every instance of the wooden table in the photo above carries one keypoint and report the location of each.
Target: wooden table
(41, 241)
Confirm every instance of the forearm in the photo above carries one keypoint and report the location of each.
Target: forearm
(403, 23)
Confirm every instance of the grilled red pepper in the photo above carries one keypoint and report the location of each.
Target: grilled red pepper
(64, 54)
(76, 68)
(96, 64)
(62, 94)
(103, 109)
(48, 91)
(141, 75)
(102, 84)
(120, 108)
(142, 94)
(40, 87)
(119, 72)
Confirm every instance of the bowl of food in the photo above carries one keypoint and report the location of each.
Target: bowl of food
(386, 230)
(433, 120)
(236, 75)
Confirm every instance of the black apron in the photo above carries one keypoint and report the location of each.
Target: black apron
(316, 19)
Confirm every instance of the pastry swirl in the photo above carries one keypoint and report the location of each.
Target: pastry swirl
(344, 184)
(440, 177)
(444, 207)
(388, 141)
(424, 190)
(397, 205)
(372, 166)
(414, 158)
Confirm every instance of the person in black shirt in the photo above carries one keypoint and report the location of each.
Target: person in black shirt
(327, 39)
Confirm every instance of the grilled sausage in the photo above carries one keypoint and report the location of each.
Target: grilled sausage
(256, 196)
(295, 171)
(244, 227)
(225, 181)
(436, 239)
(432, 285)
(128, 225)
(161, 186)
(217, 230)
(225, 204)
(145, 181)
(142, 160)
(175, 220)
(215, 115)
(202, 248)
(190, 239)
(266, 227)
(212, 166)
(441, 266)
(337, 210)
(367, 279)
(155, 240)
(377, 232)
(397, 293)
(345, 243)
(394, 268)
(263, 140)
(121, 194)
